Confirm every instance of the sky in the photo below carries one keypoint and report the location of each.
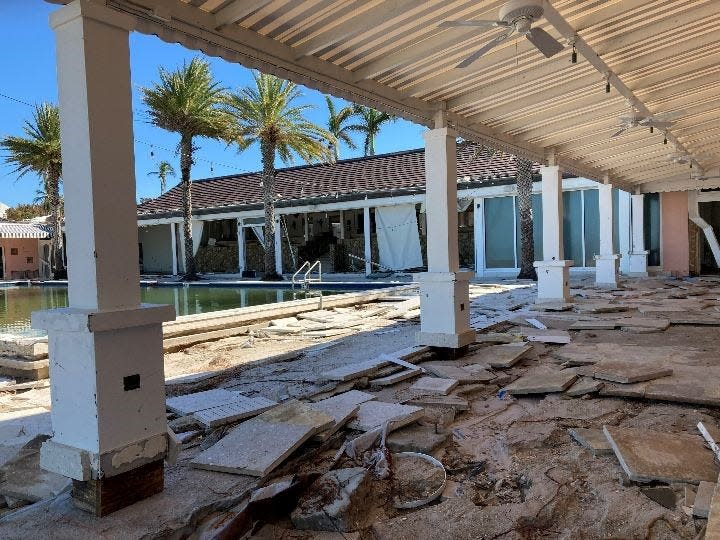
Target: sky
(27, 65)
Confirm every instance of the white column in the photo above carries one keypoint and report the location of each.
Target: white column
(638, 254)
(342, 225)
(444, 297)
(367, 238)
(553, 271)
(278, 246)
(606, 263)
(106, 355)
(624, 230)
(180, 234)
(173, 248)
(306, 232)
(241, 245)
(479, 232)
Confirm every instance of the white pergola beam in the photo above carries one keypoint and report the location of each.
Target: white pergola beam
(237, 10)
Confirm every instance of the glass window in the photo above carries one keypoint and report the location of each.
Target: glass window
(499, 244)
(616, 219)
(592, 225)
(651, 207)
(572, 227)
(537, 227)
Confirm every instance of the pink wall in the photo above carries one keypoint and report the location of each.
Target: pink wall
(26, 247)
(675, 243)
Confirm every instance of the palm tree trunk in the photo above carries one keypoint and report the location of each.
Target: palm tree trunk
(267, 150)
(57, 265)
(524, 198)
(185, 165)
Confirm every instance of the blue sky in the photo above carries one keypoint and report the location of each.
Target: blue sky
(28, 75)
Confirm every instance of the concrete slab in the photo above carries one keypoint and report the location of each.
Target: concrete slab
(434, 385)
(583, 386)
(703, 499)
(625, 372)
(647, 456)
(396, 378)
(460, 374)
(592, 439)
(22, 477)
(713, 524)
(372, 414)
(711, 433)
(499, 356)
(594, 325)
(542, 381)
(341, 408)
(647, 323)
(416, 438)
(481, 372)
(494, 337)
(240, 408)
(663, 495)
(546, 336)
(27, 369)
(191, 403)
(442, 402)
(354, 371)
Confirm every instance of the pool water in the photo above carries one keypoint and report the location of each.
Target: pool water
(17, 303)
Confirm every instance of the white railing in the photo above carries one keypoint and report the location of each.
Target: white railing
(307, 279)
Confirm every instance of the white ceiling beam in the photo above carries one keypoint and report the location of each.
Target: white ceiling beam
(239, 9)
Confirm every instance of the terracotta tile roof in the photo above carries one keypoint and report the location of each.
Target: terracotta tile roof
(359, 176)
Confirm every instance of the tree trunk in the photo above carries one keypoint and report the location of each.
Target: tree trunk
(186, 150)
(524, 198)
(57, 265)
(267, 150)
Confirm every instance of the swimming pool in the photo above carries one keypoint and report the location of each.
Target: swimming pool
(17, 303)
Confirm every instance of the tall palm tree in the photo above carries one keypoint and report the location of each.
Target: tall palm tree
(163, 171)
(187, 102)
(39, 153)
(524, 198)
(337, 121)
(266, 114)
(371, 122)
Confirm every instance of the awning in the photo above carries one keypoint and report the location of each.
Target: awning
(24, 230)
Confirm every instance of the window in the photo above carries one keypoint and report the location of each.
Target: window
(13, 251)
(499, 232)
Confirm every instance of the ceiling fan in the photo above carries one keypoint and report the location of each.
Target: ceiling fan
(516, 17)
(660, 121)
(704, 176)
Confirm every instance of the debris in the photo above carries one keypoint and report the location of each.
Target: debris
(259, 445)
(594, 325)
(416, 438)
(460, 374)
(713, 523)
(354, 371)
(494, 337)
(542, 381)
(632, 323)
(446, 402)
(341, 408)
(553, 306)
(395, 378)
(536, 324)
(434, 385)
(419, 479)
(583, 386)
(647, 456)
(592, 439)
(337, 501)
(546, 336)
(243, 407)
(191, 403)
(711, 434)
(703, 498)
(374, 414)
(662, 495)
(624, 372)
(499, 356)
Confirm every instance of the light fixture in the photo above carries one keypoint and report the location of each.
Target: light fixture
(651, 129)
(573, 56)
(607, 85)
(665, 139)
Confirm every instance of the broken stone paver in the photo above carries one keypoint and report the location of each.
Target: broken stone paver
(647, 456)
(434, 385)
(395, 378)
(443, 402)
(713, 522)
(260, 444)
(460, 374)
(584, 385)
(542, 381)
(594, 325)
(242, 407)
(481, 372)
(354, 371)
(23, 479)
(703, 499)
(592, 439)
(553, 306)
(416, 438)
(546, 336)
(711, 434)
(337, 501)
(500, 356)
(494, 337)
(373, 414)
(663, 495)
(625, 372)
(639, 322)
(191, 403)
(341, 408)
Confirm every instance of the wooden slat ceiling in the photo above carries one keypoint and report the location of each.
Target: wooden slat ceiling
(667, 53)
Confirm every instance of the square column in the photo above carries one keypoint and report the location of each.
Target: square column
(624, 230)
(173, 249)
(278, 246)
(638, 254)
(444, 290)
(106, 355)
(367, 238)
(553, 272)
(241, 245)
(606, 263)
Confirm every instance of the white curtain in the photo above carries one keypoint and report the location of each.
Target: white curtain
(259, 233)
(197, 230)
(397, 236)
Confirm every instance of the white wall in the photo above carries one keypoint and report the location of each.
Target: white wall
(156, 245)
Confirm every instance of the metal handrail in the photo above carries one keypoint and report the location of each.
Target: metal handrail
(302, 267)
(307, 279)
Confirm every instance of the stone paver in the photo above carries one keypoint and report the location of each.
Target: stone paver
(542, 381)
(592, 439)
(372, 414)
(243, 407)
(434, 385)
(626, 372)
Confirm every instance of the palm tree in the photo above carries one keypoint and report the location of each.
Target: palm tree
(187, 102)
(266, 114)
(163, 171)
(336, 126)
(371, 121)
(524, 198)
(39, 153)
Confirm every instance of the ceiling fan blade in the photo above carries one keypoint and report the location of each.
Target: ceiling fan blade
(477, 24)
(658, 124)
(485, 48)
(544, 42)
(619, 132)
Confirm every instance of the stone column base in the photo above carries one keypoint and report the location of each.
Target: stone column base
(638, 264)
(606, 270)
(553, 281)
(445, 310)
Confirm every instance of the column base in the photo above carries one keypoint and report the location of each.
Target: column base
(638, 264)
(606, 270)
(103, 496)
(445, 310)
(553, 281)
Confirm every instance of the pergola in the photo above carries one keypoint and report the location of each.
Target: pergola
(654, 57)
